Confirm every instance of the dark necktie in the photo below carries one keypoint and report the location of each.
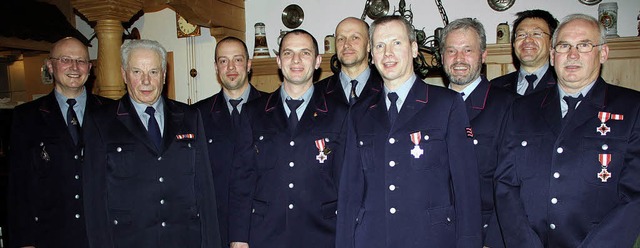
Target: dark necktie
(393, 109)
(531, 79)
(153, 128)
(235, 114)
(571, 104)
(73, 124)
(353, 97)
(293, 116)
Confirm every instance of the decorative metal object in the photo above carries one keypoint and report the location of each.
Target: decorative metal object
(292, 16)
(590, 2)
(377, 9)
(260, 49)
(501, 5)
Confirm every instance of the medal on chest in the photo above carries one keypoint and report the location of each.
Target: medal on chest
(415, 138)
(604, 174)
(321, 157)
(603, 129)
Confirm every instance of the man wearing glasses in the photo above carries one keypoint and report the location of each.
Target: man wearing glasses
(569, 166)
(531, 43)
(45, 184)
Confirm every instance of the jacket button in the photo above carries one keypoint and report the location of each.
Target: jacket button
(392, 210)
(290, 206)
(115, 222)
(392, 140)
(392, 163)
(475, 141)
(523, 143)
(605, 147)
(292, 143)
(119, 149)
(559, 150)
(552, 226)
(210, 141)
(556, 174)
(291, 164)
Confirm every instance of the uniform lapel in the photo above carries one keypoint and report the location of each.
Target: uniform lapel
(316, 110)
(52, 115)
(334, 89)
(128, 116)
(548, 80)
(173, 122)
(416, 99)
(590, 105)
(551, 110)
(378, 110)
(476, 101)
(274, 111)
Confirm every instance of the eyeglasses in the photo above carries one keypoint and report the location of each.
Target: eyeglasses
(584, 47)
(537, 34)
(68, 61)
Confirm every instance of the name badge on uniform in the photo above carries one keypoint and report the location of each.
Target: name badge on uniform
(604, 174)
(415, 138)
(603, 129)
(321, 157)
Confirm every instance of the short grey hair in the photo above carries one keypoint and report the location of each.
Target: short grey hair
(387, 19)
(587, 18)
(464, 23)
(153, 45)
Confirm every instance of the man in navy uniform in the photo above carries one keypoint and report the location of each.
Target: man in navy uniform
(148, 181)
(568, 176)
(410, 177)
(356, 77)
(45, 185)
(284, 189)
(221, 117)
(531, 40)
(463, 52)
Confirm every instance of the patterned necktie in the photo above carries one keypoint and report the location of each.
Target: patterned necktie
(393, 109)
(73, 124)
(353, 97)
(235, 114)
(531, 79)
(153, 128)
(293, 116)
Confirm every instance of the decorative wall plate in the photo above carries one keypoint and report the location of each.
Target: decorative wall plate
(377, 9)
(590, 2)
(292, 16)
(501, 5)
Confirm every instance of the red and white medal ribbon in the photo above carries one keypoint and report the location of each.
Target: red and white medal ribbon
(415, 138)
(321, 156)
(604, 174)
(603, 129)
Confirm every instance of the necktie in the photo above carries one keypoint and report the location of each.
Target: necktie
(293, 116)
(353, 97)
(393, 109)
(153, 128)
(571, 103)
(72, 121)
(531, 79)
(235, 114)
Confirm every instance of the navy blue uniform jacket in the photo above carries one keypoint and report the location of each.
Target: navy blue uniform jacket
(332, 87)
(141, 196)
(548, 193)
(486, 107)
(282, 195)
(220, 133)
(45, 195)
(389, 198)
(510, 81)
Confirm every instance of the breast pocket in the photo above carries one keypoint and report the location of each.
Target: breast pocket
(428, 153)
(598, 152)
(45, 153)
(524, 155)
(120, 160)
(365, 144)
(326, 146)
(265, 148)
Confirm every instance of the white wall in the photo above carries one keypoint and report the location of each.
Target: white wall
(321, 17)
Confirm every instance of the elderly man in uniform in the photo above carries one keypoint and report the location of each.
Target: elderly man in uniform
(531, 40)
(221, 118)
(284, 190)
(356, 78)
(410, 177)
(569, 164)
(463, 52)
(148, 181)
(45, 184)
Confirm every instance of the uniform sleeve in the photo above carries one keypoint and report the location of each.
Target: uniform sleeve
(512, 218)
(21, 217)
(464, 177)
(205, 190)
(622, 222)
(242, 183)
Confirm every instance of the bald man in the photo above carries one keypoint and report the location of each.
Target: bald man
(45, 188)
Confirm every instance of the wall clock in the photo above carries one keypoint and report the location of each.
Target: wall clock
(186, 29)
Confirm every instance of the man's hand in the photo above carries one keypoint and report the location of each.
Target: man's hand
(239, 245)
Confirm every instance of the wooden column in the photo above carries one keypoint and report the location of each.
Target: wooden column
(109, 15)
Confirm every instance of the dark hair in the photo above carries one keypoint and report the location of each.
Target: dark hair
(387, 19)
(231, 39)
(551, 21)
(303, 32)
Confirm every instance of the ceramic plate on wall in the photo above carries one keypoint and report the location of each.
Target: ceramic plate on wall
(292, 16)
(501, 5)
